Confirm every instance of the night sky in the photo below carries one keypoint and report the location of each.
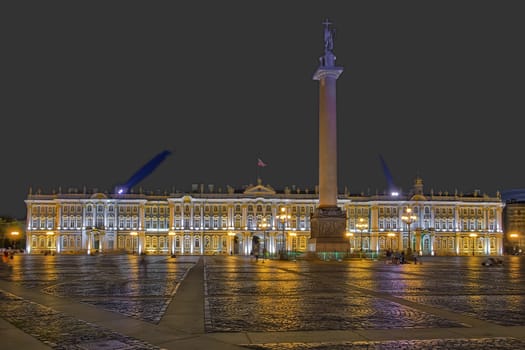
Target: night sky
(92, 90)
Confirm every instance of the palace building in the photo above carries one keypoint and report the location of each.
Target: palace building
(260, 219)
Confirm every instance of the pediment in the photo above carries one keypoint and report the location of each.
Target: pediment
(260, 190)
(418, 197)
(99, 195)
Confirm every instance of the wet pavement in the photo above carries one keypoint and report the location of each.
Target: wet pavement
(232, 302)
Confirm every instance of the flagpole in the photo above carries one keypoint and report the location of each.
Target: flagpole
(260, 164)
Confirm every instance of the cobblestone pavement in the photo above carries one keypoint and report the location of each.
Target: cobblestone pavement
(61, 331)
(444, 303)
(427, 344)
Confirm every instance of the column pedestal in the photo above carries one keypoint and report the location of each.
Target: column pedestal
(328, 233)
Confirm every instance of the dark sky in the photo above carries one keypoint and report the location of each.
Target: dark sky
(92, 90)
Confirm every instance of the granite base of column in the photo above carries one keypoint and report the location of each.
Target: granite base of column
(328, 233)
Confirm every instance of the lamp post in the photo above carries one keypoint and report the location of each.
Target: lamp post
(133, 235)
(14, 236)
(264, 226)
(391, 236)
(408, 219)
(362, 225)
(350, 236)
(172, 235)
(50, 241)
(516, 244)
(231, 241)
(294, 243)
(283, 217)
(473, 235)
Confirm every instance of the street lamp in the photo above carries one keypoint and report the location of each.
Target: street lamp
(294, 243)
(133, 235)
(50, 241)
(350, 236)
(391, 236)
(408, 219)
(362, 225)
(232, 241)
(172, 235)
(14, 236)
(473, 235)
(515, 237)
(283, 217)
(264, 226)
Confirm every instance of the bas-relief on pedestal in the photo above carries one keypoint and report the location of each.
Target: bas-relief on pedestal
(328, 226)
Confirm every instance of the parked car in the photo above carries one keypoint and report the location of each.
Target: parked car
(492, 262)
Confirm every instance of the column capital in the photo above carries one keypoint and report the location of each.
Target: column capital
(325, 72)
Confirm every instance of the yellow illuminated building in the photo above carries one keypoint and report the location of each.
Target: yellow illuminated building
(238, 221)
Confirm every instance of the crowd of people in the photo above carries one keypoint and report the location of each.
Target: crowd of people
(400, 257)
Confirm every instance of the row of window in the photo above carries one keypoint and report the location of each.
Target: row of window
(164, 210)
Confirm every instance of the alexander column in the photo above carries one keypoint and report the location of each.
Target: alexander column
(328, 222)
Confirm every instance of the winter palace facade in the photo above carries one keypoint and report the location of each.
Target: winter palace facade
(259, 219)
